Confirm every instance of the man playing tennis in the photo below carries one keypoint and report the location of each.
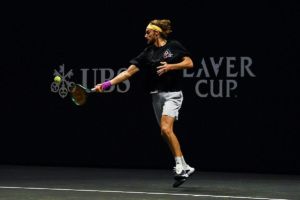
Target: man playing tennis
(162, 61)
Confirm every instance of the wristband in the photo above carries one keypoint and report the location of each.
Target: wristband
(106, 85)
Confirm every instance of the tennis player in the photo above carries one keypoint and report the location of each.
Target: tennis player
(162, 61)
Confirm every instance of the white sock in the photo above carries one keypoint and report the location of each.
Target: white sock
(185, 166)
(178, 161)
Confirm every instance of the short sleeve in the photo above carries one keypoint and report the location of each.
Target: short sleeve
(180, 49)
(139, 61)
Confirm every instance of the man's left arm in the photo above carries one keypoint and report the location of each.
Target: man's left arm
(186, 63)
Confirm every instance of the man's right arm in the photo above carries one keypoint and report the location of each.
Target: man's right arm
(123, 76)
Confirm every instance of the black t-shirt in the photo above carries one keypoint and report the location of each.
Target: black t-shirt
(149, 59)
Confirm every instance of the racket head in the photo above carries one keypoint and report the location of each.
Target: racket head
(79, 94)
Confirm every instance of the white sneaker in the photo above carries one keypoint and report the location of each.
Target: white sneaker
(189, 170)
(180, 173)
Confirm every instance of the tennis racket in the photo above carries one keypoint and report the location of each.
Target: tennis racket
(79, 94)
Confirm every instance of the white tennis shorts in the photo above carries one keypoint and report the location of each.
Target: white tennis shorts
(167, 103)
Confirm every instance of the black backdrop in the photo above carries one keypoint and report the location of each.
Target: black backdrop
(254, 130)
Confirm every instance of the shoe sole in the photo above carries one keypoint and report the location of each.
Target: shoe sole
(178, 178)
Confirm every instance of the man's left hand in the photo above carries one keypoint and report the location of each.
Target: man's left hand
(165, 67)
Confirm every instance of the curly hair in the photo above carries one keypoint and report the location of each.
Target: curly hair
(164, 24)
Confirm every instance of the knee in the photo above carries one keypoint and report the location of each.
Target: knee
(166, 131)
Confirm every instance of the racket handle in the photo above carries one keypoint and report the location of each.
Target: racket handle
(93, 90)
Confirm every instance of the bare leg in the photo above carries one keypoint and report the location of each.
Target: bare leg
(166, 126)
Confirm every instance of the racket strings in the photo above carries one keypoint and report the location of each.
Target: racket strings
(78, 95)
